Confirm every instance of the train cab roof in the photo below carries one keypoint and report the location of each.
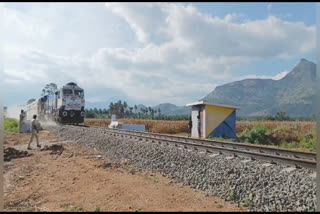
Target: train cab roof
(71, 85)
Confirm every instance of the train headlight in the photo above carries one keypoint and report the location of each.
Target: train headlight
(64, 113)
(82, 114)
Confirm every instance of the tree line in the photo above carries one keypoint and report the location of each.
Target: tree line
(122, 110)
(280, 116)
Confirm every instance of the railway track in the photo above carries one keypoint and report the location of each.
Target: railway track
(231, 149)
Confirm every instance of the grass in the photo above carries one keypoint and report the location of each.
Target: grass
(155, 126)
(219, 206)
(96, 209)
(65, 205)
(246, 202)
(71, 207)
(130, 169)
(308, 142)
(78, 208)
(291, 145)
(11, 125)
(231, 195)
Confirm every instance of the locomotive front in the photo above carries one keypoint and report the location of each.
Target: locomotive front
(71, 104)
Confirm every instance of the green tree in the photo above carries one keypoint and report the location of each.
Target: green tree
(121, 111)
(130, 111)
(111, 108)
(49, 89)
(281, 116)
(5, 110)
(269, 117)
(30, 101)
(125, 105)
(90, 114)
(127, 113)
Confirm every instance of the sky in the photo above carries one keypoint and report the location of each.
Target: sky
(150, 53)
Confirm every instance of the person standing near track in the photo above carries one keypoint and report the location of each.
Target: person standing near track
(35, 126)
(22, 116)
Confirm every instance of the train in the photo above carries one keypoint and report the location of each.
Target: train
(65, 106)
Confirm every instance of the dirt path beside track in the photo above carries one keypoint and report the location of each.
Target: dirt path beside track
(78, 179)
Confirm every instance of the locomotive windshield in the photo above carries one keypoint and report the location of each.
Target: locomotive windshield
(67, 91)
(78, 93)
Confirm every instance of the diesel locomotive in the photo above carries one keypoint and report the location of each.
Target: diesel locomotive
(65, 106)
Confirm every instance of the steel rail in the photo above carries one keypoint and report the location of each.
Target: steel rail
(242, 146)
(295, 160)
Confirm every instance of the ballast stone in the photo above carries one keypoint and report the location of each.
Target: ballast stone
(270, 187)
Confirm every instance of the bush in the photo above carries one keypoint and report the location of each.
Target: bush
(308, 142)
(11, 125)
(256, 135)
(289, 145)
(90, 115)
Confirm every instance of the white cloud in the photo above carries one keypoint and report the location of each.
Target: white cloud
(254, 76)
(280, 75)
(271, 37)
(269, 6)
(179, 53)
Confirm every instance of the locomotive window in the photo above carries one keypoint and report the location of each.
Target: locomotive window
(67, 91)
(78, 92)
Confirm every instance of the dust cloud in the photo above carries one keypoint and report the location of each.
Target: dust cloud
(47, 123)
(14, 111)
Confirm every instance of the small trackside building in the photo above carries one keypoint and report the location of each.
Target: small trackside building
(216, 120)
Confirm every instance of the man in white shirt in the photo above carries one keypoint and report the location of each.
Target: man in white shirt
(35, 126)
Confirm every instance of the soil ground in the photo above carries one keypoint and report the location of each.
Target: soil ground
(78, 179)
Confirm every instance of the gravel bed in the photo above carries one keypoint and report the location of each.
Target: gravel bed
(251, 184)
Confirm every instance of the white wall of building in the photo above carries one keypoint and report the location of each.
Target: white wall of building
(194, 113)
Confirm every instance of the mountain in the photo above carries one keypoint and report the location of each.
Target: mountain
(294, 94)
(165, 108)
(98, 105)
(170, 109)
